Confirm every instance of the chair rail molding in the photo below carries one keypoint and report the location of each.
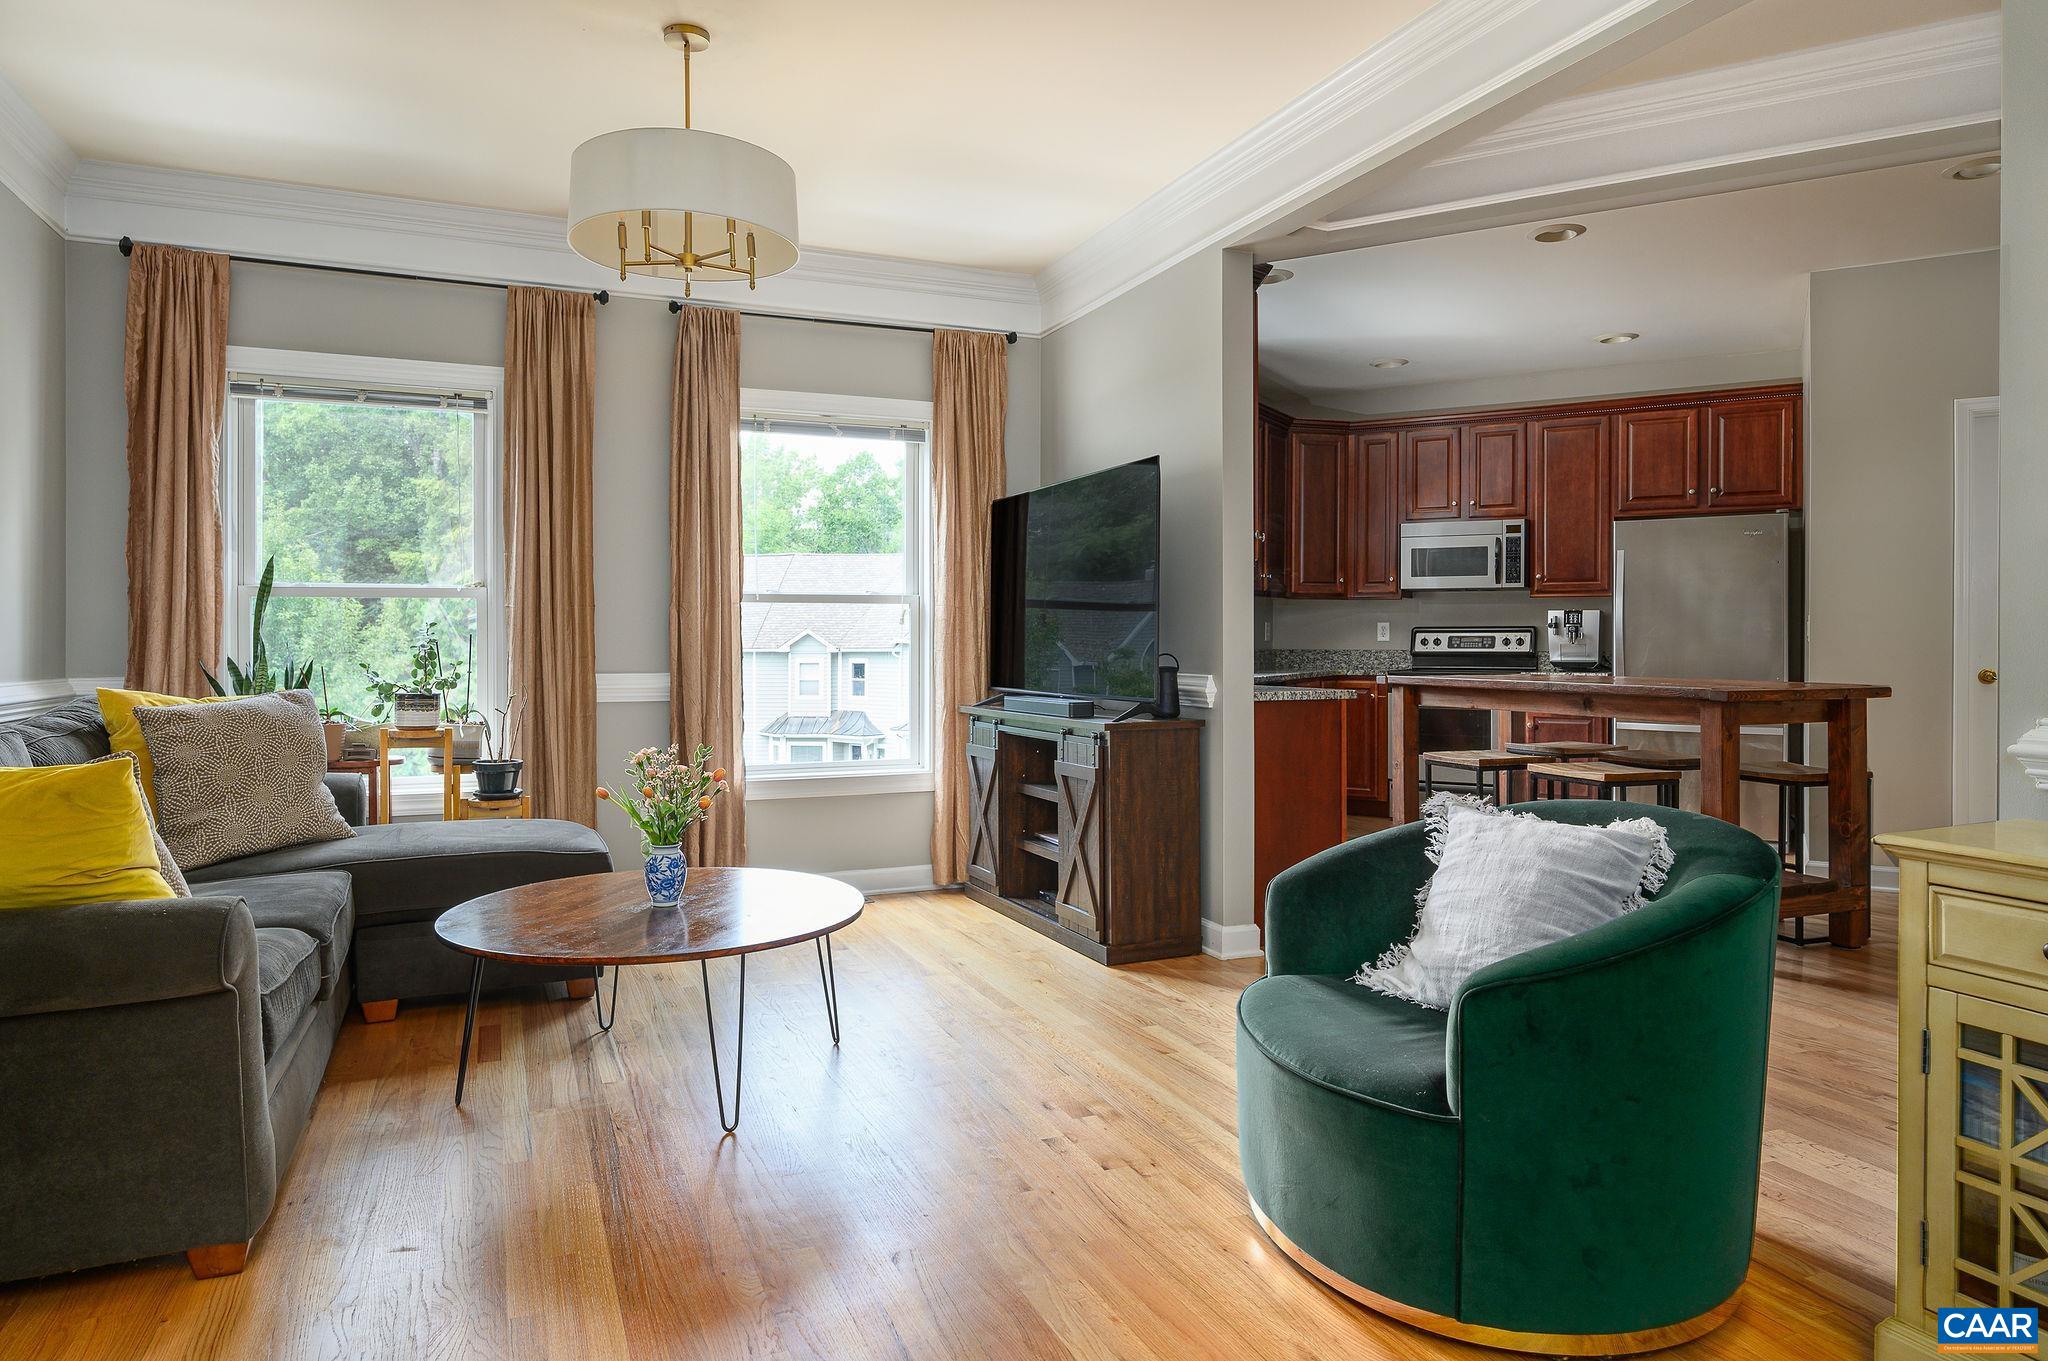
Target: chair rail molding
(1455, 61)
(1888, 99)
(301, 224)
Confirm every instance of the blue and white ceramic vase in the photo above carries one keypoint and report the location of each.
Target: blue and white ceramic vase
(666, 866)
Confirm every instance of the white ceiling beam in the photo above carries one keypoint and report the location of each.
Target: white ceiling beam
(1890, 99)
(1459, 61)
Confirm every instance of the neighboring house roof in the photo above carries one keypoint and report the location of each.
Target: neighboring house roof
(823, 574)
(838, 723)
(773, 626)
(766, 627)
(1089, 637)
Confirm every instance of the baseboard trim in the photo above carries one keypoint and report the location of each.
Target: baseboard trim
(894, 879)
(19, 699)
(1231, 942)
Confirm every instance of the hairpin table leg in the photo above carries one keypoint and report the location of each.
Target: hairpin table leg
(828, 979)
(739, 1058)
(605, 1014)
(476, 984)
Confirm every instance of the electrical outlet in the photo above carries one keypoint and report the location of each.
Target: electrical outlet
(1386, 634)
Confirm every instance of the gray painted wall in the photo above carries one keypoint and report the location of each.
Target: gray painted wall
(2023, 401)
(31, 445)
(1892, 349)
(345, 314)
(1166, 369)
(1566, 385)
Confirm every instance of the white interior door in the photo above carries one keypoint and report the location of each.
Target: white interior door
(1975, 685)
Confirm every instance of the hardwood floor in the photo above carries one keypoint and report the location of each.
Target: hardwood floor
(1016, 1153)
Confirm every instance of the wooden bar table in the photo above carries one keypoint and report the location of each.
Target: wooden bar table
(1720, 708)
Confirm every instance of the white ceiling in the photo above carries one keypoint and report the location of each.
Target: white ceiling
(1713, 276)
(996, 135)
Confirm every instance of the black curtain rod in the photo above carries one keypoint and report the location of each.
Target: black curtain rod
(127, 244)
(1009, 337)
(602, 295)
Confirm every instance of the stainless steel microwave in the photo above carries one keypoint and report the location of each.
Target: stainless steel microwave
(1463, 555)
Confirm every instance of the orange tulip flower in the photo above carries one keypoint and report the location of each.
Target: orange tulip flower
(718, 774)
(704, 802)
(603, 793)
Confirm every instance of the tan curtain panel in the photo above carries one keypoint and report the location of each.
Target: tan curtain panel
(176, 378)
(970, 399)
(550, 396)
(704, 584)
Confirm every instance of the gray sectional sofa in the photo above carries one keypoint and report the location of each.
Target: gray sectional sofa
(159, 1060)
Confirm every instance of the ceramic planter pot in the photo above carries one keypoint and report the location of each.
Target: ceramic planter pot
(666, 868)
(416, 709)
(469, 744)
(497, 779)
(337, 739)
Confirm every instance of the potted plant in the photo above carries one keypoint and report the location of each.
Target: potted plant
(259, 678)
(334, 723)
(468, 721)
(416, 699)
(496, 769)
(665, 795)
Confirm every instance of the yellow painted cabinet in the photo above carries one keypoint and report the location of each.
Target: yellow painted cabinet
(1973, 1075)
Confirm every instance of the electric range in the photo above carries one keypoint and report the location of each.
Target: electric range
(1467, 651)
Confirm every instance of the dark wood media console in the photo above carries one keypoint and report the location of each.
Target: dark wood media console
(1089, 830)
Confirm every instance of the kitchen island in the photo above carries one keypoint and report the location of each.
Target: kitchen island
(1720, 708)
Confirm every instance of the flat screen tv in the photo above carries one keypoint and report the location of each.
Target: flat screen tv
(1074, 587)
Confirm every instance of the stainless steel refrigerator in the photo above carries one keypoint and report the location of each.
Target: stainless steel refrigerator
(1718, 597)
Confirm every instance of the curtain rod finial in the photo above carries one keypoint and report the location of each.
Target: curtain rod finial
(1009, 337)
(603, 296)
(674, 306)
(127, 246)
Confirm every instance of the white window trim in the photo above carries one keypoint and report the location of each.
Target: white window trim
(411, 795)
(914, 776)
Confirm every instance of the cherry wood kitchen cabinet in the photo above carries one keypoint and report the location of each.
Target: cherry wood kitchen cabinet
(1496, 470)
(1269, 504)
(1571, 518)
(1752, 454)
(1432, 473)
(1298, 786)
(1656, 462)
(1374, 501)
(1365, 741)
(1318, 522)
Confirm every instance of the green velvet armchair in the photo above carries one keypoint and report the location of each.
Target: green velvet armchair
(1565, 1161)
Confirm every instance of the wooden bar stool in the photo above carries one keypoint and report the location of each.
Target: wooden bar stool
(1555, 779)
(1563, 751)
(1497, 764)
(1657, 760)
(1790, 778)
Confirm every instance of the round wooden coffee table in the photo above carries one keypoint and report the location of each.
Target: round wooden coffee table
(605, 921)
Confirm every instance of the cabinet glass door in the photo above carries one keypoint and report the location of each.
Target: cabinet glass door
(1987, 1153)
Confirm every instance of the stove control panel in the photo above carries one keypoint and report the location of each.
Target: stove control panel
(1471, 642)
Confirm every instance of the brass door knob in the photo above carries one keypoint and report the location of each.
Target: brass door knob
(1987, 677)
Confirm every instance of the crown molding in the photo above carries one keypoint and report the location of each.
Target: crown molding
(1889, 99)
(1455, 61)
(35, 163)
(307, 225)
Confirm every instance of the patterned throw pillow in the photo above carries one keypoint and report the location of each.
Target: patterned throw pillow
(240, 777)
(1508, 882)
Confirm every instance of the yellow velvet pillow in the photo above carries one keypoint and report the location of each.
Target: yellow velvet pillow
(75, 834)
(124, 733)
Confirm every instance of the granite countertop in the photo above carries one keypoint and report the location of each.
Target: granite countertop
(1282, 666)
(1263, 693)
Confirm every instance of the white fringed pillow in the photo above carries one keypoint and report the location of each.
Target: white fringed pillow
(1508, 882)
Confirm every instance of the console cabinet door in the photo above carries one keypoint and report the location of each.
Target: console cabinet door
(1571, 514)
(1432, 473)
(1656, 462)
(1317, 518)
(1753, 454)
(1496, 462)
(1080, 895)
(1375, 507)
(983, 820)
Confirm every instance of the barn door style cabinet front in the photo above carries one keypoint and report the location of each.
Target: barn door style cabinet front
(1973, 1075)
(1088, 831)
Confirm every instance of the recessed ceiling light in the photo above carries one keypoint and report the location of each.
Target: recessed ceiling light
(1558, 231)
(1389, 363)
(1619, 337)
(1976, 168)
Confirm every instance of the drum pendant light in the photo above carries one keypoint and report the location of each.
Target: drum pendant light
(677, 203)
